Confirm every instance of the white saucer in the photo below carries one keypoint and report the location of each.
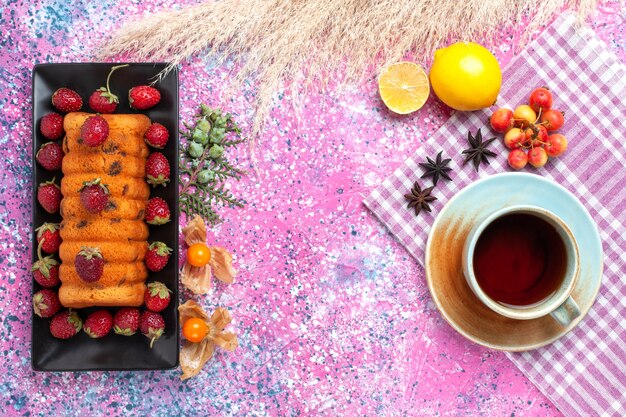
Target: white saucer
(450, 292)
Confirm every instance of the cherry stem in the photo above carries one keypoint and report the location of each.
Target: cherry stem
(538, 115)
(532, 144)
(111, 72)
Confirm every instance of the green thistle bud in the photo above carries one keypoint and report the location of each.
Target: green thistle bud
(206, 110)
(216, 137)
(203, 125)
(195, 150)
(220, 122)
(215, 115)
(200, 137)
(205, 176)
(216, 151)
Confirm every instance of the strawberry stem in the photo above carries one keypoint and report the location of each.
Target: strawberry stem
(39, 248)
(152, 341)
(111, 72)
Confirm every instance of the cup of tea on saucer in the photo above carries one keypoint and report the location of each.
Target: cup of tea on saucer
(522, 262)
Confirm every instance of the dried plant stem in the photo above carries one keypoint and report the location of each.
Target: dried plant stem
(292, 43)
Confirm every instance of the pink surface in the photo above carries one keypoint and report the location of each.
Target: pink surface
(333, 315)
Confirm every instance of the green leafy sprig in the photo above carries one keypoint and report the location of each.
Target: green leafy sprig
(203, 164)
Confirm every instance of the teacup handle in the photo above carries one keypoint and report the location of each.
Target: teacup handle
(566, 312)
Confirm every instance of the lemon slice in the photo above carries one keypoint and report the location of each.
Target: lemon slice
(403, 87)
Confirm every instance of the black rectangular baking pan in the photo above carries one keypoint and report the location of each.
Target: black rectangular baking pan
(113, 352)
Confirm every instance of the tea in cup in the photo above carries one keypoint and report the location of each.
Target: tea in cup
(522, 262)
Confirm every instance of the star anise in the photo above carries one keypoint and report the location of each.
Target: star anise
(478, 151)
(419, 198)
(437, 168)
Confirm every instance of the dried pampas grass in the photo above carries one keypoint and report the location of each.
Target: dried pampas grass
(293, 43)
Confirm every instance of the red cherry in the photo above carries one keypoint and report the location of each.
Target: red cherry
(537, 157)
(552, 119)
(514, 138)
(501, 120)
(540, 99)
(536, 135)
(517, 159)
(557, 144)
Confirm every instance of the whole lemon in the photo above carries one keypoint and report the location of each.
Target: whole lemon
(466, 76)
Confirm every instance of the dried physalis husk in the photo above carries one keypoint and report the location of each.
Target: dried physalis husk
(198, 279)
(195, 231)
(190, 309)
(193, 356)
(220, 319)
(222, 263)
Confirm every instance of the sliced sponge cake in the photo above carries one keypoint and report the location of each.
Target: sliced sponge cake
(118, 231)
(123, 132)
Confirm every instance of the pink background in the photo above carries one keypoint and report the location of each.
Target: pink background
(333, 315)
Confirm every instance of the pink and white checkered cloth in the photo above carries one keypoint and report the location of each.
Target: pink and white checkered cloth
(584, 372)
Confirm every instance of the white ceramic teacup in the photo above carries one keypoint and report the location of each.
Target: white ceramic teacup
(560, 304)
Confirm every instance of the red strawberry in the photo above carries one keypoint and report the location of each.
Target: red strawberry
(89, 264)
(126, 321)
(46, 303)
(50, 156)
(98, 324)
(156, 297)
(49, 196)
(49, 237)
(143, 97)
(65, 324)
(157, 256)
(46, 272)
(51, 126)
(151, 325)
(157, 211)
(157, 135)
(94, 195)
(103, 100)
(66, 100)
(94, 130)
(157, 169)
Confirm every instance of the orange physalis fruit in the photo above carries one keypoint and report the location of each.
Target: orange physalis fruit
(195, 330)
(198, 254)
